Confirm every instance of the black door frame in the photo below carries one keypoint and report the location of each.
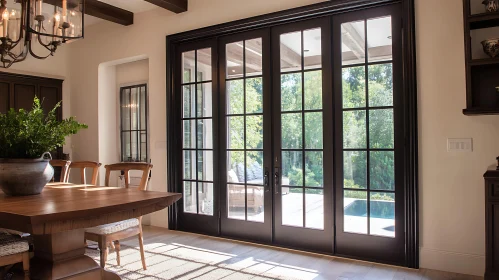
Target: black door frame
(410, 125)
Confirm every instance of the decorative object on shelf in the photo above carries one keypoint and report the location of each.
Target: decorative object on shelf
(491, 47)
(26, 138)
(34, 26)
(491, 6)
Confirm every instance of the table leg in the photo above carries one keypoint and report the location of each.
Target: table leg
(62, 256)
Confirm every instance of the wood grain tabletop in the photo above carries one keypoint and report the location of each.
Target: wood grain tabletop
(63, 207)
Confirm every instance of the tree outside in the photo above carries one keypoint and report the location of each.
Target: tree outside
(381, 127)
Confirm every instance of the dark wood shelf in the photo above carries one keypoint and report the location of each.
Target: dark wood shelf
(482, 97)
(485, 20)
(480, 111)
(484, 61)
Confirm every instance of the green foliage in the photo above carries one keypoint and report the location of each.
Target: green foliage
(381, 126)
(362, 194)
(29, 134)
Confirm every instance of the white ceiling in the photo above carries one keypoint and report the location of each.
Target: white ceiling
(135, 6)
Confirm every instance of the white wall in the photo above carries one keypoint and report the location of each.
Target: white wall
(451, 185)
(107, 114)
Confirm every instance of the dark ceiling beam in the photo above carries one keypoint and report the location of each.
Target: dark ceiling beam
(108, 12)
(176, 6)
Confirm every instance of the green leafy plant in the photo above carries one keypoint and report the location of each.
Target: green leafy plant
(29, 134)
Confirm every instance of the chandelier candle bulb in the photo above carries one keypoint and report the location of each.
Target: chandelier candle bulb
(39, 6)
(5, 20)
(64, 10)
(57, 20)
(13, 36)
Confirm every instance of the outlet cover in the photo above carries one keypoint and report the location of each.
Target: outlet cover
(459, 145)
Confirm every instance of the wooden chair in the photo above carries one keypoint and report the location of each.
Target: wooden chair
(112, 233)
(64, 165)
(14, 249)
(82, 165)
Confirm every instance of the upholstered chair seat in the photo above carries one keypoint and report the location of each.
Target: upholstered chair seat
(114, 227)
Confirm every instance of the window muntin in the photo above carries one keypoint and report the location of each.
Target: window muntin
(244, 118)
(197, 132)
(133, 118)
(368, 127)
(302, 178)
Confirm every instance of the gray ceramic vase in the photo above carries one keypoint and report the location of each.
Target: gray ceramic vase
(20, 177)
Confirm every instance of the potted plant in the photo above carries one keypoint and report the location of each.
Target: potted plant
(26, 138)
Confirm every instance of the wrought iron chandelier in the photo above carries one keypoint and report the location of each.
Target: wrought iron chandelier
(37, 27)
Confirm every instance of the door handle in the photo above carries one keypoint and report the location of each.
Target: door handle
(276, 180)
(266, 180)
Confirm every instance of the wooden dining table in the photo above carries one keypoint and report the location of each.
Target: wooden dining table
(57, 219)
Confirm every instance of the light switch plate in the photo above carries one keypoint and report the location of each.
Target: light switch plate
(459, 145)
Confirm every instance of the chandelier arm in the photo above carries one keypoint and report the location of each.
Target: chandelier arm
(24, 54)
(46, 46)
(36, 56)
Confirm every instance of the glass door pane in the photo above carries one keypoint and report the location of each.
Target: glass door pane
(368, 128)
(302, 202)
(245, 129)
(301, 129)
(246, 212)
(197, 132)
(369, 199)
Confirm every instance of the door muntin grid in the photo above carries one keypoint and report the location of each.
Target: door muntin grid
(302, 170)
(368, 127)
(244, 117)
(197, 132)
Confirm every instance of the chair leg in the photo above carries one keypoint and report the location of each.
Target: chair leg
(142, 256)
(104, 250)
(26, 265)
(117, 247)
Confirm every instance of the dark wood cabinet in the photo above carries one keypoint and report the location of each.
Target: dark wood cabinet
(492, 224)
(482, 97)
(18, 91)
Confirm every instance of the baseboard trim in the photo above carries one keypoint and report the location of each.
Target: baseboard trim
(463, 263)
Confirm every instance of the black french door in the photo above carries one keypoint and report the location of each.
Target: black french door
(303, 150)
(294, 135)
(245, 137)
(369, 158)
(197, 127)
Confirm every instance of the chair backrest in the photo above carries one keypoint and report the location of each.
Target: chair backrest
(126, 167)
(64, 165)
(82, 165)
